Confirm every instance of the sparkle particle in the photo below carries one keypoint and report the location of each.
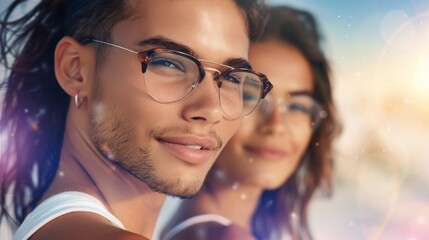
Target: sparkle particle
(107, 152)
(243, 196)
(235, 185)
(269, 204)
(220, 174)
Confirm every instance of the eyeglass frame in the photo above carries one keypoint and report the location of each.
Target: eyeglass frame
(313, 114)
(265, 88)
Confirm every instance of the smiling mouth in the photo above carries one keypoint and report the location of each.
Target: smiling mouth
(190, 149)
(266, 152)
(196, 147)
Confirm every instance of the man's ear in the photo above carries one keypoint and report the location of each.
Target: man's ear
(71, 59)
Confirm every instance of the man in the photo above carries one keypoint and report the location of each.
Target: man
(157, 88)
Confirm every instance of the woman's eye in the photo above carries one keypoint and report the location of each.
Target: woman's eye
(296, 107)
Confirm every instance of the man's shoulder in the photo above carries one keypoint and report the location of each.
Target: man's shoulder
(83, 225)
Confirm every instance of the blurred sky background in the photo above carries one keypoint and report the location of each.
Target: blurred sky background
(379, 50)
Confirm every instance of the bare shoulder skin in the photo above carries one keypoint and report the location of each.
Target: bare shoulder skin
(90, 226)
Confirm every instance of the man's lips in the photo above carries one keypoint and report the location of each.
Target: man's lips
(267, 152)
(190, 148)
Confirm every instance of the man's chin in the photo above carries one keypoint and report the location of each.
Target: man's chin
(182, 196)
(177, 188)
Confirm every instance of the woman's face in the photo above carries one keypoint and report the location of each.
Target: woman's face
(269, 145)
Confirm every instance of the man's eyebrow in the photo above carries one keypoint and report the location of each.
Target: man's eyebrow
(172, 45)
(238, 63)
(167, 44)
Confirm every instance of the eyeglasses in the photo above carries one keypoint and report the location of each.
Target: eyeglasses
(297, 111)
(169, 76)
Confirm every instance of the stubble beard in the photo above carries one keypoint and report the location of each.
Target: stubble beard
(116, 133)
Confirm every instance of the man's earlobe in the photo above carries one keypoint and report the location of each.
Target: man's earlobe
(68, 67)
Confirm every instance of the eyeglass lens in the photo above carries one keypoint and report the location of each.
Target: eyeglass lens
(169, 77)
(296, 111)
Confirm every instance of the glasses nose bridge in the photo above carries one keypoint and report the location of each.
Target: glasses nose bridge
(216, 75)
(216, 71)
(280, 105)
(276, 111)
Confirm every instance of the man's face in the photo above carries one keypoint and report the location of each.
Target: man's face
(159, 143)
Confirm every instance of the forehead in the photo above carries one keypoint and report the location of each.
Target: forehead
(213, 29)
(284, 65)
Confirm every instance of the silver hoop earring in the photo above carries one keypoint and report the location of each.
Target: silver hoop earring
(78, 101)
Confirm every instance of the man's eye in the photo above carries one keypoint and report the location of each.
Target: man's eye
(233, 78)
(167, 63)
(248, 97)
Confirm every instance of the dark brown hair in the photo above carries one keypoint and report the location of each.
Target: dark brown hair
(35, 107)
(285, 209)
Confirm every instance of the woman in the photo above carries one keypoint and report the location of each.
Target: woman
(262, 183)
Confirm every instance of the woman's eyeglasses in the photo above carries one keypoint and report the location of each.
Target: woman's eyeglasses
(297, 111)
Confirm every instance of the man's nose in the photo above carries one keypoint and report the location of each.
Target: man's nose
(204, 105)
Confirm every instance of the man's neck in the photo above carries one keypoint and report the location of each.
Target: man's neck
(83, 168)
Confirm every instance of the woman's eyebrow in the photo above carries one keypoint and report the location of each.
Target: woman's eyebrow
(301, 93)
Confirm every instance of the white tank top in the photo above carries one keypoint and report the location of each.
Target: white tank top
(61, 204)
(195, 220)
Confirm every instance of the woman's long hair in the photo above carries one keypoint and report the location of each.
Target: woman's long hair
(284, 210)
(35, 107)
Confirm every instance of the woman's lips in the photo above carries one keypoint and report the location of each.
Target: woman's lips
(266, 152)
(189, 148)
